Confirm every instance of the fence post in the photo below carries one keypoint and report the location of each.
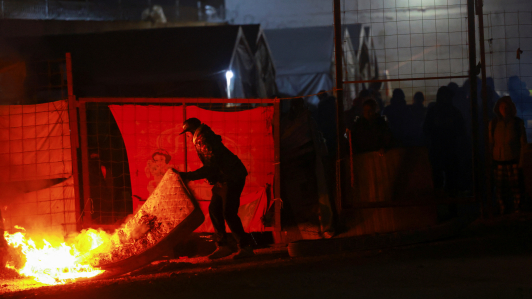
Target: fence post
(185, 149)
(74, 138)
(339, 102)
(87, 201)
(277, 174)
(485, 120)
(473, 97)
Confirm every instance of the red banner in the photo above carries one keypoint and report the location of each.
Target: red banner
(153, 144)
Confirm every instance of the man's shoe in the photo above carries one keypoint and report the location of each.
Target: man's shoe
(244, 252)
(220, 252)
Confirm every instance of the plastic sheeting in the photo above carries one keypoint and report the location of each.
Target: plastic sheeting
(150, 132)
(303, 58)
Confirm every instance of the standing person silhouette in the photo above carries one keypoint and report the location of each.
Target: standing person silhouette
(507, 142)
(444, 125)
(227, 174)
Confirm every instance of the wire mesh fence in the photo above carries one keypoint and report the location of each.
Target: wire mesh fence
(130, 146)
(107, 168)
(509, 60)
(37, 180)
(35, 154)
(405, 42)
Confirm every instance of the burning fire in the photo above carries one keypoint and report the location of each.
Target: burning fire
(53, 262)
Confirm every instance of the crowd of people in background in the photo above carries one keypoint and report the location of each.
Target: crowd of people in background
(444, 127)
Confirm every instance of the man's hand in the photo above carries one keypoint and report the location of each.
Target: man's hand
(183, 176)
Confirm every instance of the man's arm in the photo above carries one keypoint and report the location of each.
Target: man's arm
(206, 170)
(198, 174)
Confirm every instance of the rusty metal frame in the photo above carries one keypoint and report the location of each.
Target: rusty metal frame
(157, 101)
(86, 219)
(185, 148)
(405, 79)
(277, 176)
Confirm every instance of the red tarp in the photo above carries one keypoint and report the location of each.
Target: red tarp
(148, 130)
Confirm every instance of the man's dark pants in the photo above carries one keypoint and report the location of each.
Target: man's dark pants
(223, 208)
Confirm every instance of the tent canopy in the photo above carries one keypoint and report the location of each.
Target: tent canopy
(299, 51)
(266, 70)
(251, 32)
(304, 57)
(354, 34)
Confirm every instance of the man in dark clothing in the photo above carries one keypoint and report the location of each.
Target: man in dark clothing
(444, 125)
(227, 173)
(401, 119)
(418, 108)
(356, 109)
(370, 132)
(419, 111)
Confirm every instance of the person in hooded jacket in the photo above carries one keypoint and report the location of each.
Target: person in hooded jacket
(226, 172)
(401, 119)
(444, 126)
(507, 141)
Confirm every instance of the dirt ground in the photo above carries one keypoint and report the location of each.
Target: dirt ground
(489, 259)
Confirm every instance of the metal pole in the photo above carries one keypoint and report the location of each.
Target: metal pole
(404, 79)
(185, 149)
(339, 101)
(277, 227)
(74, 139)
(487, 190)
(473, 95)
(87, 201)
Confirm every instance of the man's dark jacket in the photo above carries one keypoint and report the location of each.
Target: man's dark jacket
(219, 163)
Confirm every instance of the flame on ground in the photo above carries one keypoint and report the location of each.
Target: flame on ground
(53, 262)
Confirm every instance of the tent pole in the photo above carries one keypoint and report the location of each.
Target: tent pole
(339, 102)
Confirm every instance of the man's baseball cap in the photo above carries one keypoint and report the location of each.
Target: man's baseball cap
(190, 125)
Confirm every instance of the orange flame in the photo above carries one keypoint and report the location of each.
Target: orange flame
(59, 262)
